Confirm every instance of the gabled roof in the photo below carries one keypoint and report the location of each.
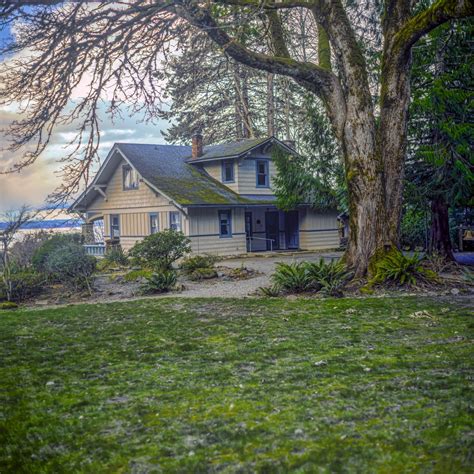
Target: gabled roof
(235, 149)
(168, 170)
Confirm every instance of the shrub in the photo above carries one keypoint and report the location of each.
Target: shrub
(160, 250)
(190, 264)
(22, 251)
(395, 267)
(205, 273)
(49, 246)
(136, 275)
(71, 265)
(291, 277)
(8, 305)
(115, 256)
(328, 277)
(160, 281)
(25, 284)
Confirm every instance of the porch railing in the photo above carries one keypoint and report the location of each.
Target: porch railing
(96, 250)
(260, 238)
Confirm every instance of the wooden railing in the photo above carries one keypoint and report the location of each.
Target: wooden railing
(96, 250)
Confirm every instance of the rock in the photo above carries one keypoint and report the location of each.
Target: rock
(455, 291)
(320, 363)
(50, 383)
(299, 432)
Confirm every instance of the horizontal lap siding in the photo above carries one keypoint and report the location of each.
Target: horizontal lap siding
(204, 232)
(248, 177)
(215, 170)
(134, 208)
(118, 198)
(318, 230)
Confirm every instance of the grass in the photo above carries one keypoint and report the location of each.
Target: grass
(267, 385)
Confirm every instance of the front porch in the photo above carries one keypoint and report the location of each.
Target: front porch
(269, 229)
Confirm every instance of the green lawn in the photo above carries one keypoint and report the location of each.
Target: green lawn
(263, 385)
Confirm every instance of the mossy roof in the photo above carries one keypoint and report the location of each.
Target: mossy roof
(228, 150)
(165, 168)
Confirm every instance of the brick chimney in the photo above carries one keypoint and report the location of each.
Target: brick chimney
(197, 145)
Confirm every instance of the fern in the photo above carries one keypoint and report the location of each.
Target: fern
(404, 270)
(291, 277)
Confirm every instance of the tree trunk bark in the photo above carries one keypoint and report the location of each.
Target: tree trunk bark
(440, 241)
(366, 194)
(270, 105)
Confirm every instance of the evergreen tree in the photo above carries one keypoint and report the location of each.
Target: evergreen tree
(440, 168)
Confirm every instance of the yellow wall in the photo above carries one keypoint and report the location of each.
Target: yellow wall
(245, 178)
(204, 232)
(318, 230)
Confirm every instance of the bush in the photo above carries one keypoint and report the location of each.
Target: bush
(160, 250)
(328, 277)
(160, 281)
(71, 265)
(49, 246)
(397, 268)
(115, 256)
(197, 262)
(8, 305)
(22, 251)
(25, 284)
(136, 275)
(291, 277)
(205, 273)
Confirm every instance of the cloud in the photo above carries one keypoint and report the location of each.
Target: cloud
(32, 185)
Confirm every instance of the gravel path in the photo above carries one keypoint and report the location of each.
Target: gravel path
(265, 265)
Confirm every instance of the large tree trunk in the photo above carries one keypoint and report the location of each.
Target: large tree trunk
(440, 241)
(367, 216)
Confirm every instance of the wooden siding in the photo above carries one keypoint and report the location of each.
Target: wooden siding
(247, 176)
(214, 169)
(117, 198)
(204, 232)
(318, 230)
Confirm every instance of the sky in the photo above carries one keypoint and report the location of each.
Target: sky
(32, 185)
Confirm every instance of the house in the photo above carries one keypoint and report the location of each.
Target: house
(220, 196)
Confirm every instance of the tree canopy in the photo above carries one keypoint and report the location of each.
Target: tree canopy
(117, 51)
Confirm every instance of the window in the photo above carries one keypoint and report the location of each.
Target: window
(115, 226)
(175, 221)
(225, 224)
(130, 178)
(262, 174)
(227, 171)
(154, 226)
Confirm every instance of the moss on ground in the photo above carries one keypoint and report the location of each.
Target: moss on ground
(266, 385)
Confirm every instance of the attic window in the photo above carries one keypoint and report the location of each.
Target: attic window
(130, 177)
(227, 171)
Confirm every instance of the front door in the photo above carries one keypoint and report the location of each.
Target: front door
(248, 230)
(272, 230)
(292, 230)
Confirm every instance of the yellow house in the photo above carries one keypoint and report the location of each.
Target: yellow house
(220, 196)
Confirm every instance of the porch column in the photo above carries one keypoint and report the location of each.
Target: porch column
(88, 233)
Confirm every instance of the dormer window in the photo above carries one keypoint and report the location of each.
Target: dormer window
(130, 178)
(262, 174)
(227, 171)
